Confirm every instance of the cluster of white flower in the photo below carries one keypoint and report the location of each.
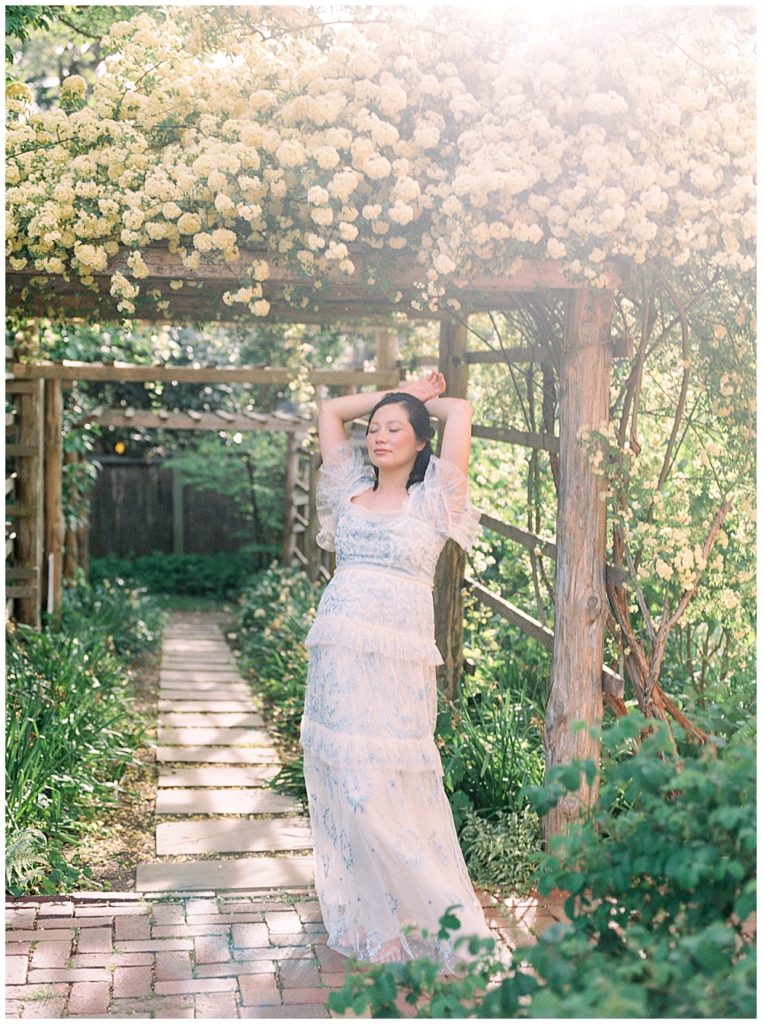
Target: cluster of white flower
(465, 147)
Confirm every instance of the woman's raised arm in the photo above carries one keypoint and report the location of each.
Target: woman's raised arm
(335, 412)
(455, 413)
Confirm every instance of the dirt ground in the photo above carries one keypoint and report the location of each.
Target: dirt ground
(124, 834)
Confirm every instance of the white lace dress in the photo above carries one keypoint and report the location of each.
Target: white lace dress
(386, 850)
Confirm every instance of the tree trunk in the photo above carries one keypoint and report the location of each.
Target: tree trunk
(580, 611)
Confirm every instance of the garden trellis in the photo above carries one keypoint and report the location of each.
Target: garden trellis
(414, 168)
(580, 542)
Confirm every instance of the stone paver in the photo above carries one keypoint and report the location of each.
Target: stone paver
(187, 692)
(240, 873)
(222, 775)
(219, 755)
(234, 719)
(196, 736)
(225, 801)
(206, 704)
(226, 835)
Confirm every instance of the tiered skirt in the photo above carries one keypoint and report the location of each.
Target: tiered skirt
(386, 850)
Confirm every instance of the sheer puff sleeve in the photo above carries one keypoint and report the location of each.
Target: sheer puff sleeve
(343, 471)
(447, 502)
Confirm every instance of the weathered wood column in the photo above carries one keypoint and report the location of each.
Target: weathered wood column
(288, 499)
(54, 520)
(580, 612)
(29, 490)
(311, 550)
(448, 581)
(70, 554)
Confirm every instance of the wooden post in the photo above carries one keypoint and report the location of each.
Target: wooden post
(70, 552)
(83, 542)
(54, 520)
(311, 550)
(178, 513)
(448, 580)
(387, 347)
(580, 611)
(288, 499)
(29, 535)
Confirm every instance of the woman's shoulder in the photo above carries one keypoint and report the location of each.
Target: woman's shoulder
(442, 472)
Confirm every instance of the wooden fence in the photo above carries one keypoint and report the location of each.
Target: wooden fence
(138, 507)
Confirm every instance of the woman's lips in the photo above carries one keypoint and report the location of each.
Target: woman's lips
(380, 451)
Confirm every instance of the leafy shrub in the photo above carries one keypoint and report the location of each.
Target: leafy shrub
(222, 576)
(660, 875)
(70, 728)
(504, 850)
(127, 616)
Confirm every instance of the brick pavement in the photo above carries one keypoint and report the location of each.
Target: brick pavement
(167, 955)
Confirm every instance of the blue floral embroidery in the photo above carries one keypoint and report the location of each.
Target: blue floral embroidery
(357, 788)
(346, 850)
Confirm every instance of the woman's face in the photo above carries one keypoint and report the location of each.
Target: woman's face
(391, 439)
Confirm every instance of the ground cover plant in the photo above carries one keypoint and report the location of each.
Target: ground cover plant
(661, 880)
(70, 727)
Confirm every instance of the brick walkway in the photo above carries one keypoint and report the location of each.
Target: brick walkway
(234, 936)
(223, 955)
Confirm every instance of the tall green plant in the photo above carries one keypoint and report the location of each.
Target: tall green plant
(70, 728)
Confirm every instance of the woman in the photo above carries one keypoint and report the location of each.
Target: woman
(386, 851)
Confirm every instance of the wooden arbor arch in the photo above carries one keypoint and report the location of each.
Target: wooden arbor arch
(577, 678)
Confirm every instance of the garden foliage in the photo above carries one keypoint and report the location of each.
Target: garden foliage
(660, 877)
(222, 576)
(70, 727)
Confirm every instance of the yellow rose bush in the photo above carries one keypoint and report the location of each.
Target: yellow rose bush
(459, 141)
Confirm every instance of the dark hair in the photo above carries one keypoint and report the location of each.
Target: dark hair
(420, 421)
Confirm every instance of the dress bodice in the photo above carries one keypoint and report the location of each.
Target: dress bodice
(407, 540)
(393, 541)
(380, 597)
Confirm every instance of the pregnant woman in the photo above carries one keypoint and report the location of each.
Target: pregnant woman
(386, 850)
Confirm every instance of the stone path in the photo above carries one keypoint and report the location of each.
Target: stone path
(218, 804)
(225, 923)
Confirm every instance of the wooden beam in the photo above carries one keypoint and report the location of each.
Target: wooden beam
(311, 550)
(146, 420)
(355, 378)
(70, 553)
(524, 438)
(581, 602)
(615, 574)
(399, 273)
(73, 370)
(20, 572)
(53, 502)
(525, 354)
(612, 682)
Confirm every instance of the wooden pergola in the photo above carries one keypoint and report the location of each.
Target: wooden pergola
(582, 361)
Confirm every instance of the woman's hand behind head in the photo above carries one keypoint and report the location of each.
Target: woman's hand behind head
(428, 387)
